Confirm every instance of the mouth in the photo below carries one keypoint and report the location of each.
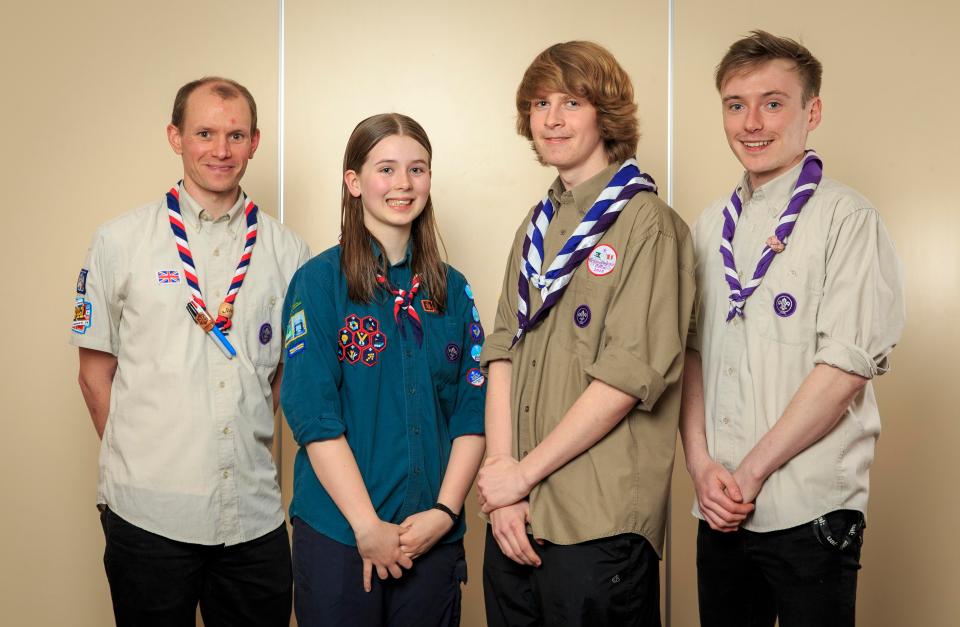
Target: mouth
(756, 146)
(399, 203)
(219, 167)
(555, 140)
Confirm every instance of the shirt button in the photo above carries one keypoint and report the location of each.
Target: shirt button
(793, 273)
(416, 430)
(223, 384)
(216, 252)
(226, 430)
(273, 301)
(226, 474)
(523, 454)
(563, 232)
(526, 409)
(730, 371)
(725, 420)
(413, 391)
(416, 470)
(407, 354)
(534, 363)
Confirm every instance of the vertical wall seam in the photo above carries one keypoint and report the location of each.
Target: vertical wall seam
(281, 86)
(668, 565)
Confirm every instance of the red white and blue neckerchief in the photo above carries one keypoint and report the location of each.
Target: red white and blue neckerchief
(625, 184)
(189, 268)
(403, 304)
(810, 174)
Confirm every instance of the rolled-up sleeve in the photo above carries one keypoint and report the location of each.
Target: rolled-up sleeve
(309, 391)
(646, 324)
(861, 315)
(466, 418)
(497, 344)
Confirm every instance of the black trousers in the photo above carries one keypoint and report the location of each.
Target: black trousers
(158, 582)
(611, 582)
(798, 575)
(328, 586)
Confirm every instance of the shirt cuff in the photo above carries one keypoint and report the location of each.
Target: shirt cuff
(495, 347)
(463, 425)
(98, 344)
(849, 358)
(621, 370)
(317, 429)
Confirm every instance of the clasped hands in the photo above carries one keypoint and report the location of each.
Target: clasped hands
(725, 499)
(387, 547)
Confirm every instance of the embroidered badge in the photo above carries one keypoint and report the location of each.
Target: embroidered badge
(428, 305)
(296, 328)
(476, 314)
(297, 348)
(360, 340)
(784, 304)
(475, 377)
(468, 290)
(602, 260)
(82, 282)
(581, 317)
(452, 352)
(476, 331)
(165, 277)
(475, 352)
(266, 333)
(82, 315)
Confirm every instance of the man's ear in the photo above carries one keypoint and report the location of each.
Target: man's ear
(173, 136)
(816, 113)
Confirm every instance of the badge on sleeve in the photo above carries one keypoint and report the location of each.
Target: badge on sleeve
(296, 327)
(602, 260)
(476, 314)
(475, 351)
(476, 331)
(784, 304)
(266, 333)
(468, 291)
(82, 315)
(82, 282)
(475, 377)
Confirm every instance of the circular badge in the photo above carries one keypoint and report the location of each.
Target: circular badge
(475, 377)
(784, 304)
(266, 333)
(476, 331)
(602, 260)
(475, 352)
(452, 352)
(581, 317)
(476, 314)
(468, 291)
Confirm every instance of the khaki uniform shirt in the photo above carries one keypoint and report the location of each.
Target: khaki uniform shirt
(834, 296)
(633, 340)
(186, 450)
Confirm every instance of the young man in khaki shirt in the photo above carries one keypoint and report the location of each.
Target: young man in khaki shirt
(799, 306)
(188, 492)
(584, 363)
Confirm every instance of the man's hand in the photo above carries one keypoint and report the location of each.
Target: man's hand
(749, 483)
(509, 526)
(721, 500)
(379, 546)
(500, 482)
(420, 531)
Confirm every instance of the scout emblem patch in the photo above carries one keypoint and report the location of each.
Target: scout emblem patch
(475, 351)
(581, 317)
(784, 305)
(476, 314)
(165, 277)
(468, 291)
(266, 333)
(452, 352)
(602, 260)
(475, 377)
(360, 340)
(82, 282)
(82, 315)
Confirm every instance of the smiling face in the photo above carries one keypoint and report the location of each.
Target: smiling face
(765, 119)
(393, 184)
(566, 135)
(215, 144)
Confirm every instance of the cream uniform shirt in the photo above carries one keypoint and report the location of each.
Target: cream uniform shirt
(833, 296)
(186, 450)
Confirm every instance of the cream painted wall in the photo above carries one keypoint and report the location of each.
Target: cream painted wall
(87, 93)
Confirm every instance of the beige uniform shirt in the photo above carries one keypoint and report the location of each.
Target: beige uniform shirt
(186, 450)
(834, 296)
(623, 321)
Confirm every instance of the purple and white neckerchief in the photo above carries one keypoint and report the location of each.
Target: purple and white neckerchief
(810, 174)
(625, 184)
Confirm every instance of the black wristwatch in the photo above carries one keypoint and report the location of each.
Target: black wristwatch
(449, 512)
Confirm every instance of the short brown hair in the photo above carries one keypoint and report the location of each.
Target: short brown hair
(356, 256)
(586, 70)
(759, 48)
(223, 87)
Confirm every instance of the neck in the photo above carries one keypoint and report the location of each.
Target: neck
(393, 239)
(574, 176)
(215, 203)
(758, 179)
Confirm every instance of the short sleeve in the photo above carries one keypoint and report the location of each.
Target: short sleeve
(97, 306)
(466, 418)
(861, 315)
(505, 326)
(310, 388)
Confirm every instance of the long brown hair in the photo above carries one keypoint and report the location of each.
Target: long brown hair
(356, 256)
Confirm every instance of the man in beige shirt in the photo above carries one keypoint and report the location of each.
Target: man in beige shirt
(584, 363)
(188, 492)
(799, 305)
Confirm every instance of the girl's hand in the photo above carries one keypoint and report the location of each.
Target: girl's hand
(379, 546)
(420, 531)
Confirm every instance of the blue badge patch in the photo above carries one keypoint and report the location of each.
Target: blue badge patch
(266, 333)
(475, 352)
(167, 277)
(82, 282)
(360, 340)
(468, 291)
(370, 324)
(452, 352)
(82, 315)
(476, 331)
(476, 314)
(475, 377)
(296, 327)
(784, 304)
(297, 348)
(581, 317)
(352, 321)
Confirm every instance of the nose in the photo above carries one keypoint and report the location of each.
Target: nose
(753, 120)
(221, 147)
(402, 180)
(554, 117)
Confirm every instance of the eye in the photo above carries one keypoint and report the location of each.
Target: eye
(203, 134)
(237, 137)
(540, 103)
(418, 169)
(572, 103)
(774, 105)
(385, 170)
(736, 106)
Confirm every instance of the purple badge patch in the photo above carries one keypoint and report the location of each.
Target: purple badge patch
(476, 331)
(452, 352)
(82, 282)
(581, 317)
(266, 333)
(784, 304)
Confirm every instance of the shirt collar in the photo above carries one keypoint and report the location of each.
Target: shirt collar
(773, 195)
(585, 194)
(407, 258)
(197, 217)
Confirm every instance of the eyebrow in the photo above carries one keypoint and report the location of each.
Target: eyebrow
(766, 94)
(391, 161)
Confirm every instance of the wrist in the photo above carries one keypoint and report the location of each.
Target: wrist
(364, 524)
(452, 517)
(696, 459)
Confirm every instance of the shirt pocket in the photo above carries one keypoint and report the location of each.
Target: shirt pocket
(262, 330)
(445, 348)
(580, 317)
(786, 306)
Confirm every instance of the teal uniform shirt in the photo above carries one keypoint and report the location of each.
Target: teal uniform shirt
(350, 370)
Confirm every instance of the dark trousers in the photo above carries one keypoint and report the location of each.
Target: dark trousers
(158, 582)
(328, 586)
(748, 579)
(613, 582)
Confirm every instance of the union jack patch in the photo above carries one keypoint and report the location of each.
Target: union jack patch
(165, 277)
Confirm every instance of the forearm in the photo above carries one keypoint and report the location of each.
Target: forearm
(497, 420)
(465, 456)
(813, 412)
(275, 387)
(97, 370)
(594, 414)
(336, 468)
(692, 414)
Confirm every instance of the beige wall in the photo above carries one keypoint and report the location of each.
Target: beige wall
(88, 89)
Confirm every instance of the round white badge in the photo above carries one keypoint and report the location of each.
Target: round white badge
(602, 260)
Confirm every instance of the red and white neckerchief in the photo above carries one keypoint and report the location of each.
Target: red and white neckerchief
(403, 301)
(225, 311)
